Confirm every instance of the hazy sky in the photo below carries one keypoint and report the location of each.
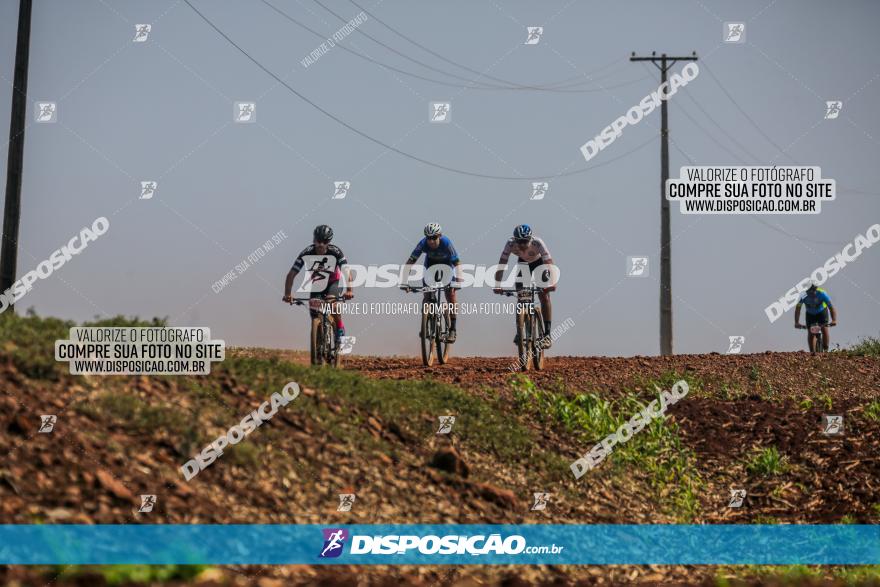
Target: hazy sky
(163, 110)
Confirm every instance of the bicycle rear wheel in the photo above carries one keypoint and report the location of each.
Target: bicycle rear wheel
(332, 349)
(429, 339)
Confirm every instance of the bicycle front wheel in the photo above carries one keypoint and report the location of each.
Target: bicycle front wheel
(428, 338)
(537, 338)
(523, 337)
(316, 341)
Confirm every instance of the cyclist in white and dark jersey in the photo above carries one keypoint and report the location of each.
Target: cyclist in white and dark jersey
(532, 251)
(323, 250)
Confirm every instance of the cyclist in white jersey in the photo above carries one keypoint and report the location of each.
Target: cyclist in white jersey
(532, 251)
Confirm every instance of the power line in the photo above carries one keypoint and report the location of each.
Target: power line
(474, 86)
(551, 85)
(391, 147)
(745, 114)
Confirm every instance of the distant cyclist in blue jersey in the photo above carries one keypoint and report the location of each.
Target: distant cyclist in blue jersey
(438, 250)
(818, 303)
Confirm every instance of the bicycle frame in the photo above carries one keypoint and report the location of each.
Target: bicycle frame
(529, 328)
(435, 325)
(322, 345)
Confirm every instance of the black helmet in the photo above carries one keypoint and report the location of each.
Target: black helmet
(323, 233)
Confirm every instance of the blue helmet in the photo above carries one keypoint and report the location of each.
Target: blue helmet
(522, 232)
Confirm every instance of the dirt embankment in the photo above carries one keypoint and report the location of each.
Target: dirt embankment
(118, 438)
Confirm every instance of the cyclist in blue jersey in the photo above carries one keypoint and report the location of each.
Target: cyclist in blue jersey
(817, 303)
(438, 250)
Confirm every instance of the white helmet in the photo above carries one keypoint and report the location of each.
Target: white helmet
(432, 229)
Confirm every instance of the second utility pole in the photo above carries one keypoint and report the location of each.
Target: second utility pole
(665, 240)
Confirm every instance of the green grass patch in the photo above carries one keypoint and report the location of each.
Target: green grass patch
(129, 574)
(131, 412)
(872, 411)
(656, 449)
(767, 462)
(30, 340)
(412, 405)
(857, 575)
(867, 347)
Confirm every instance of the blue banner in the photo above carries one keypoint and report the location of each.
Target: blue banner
(440, 544)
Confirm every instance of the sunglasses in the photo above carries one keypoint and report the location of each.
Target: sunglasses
(523, 241)
(434, 238)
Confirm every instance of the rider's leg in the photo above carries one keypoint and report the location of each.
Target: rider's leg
(452, 297)
(826, 319)
(546, 309)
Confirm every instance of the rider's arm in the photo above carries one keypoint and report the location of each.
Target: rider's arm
(453, 258)
(342, 267)
(413, 257)
(827, 299)
(505, 256)
(288, 282)
(294, 270)
(797, 313)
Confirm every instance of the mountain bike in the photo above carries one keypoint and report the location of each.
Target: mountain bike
(323, 345)
(435, 324)
(530, 330)
(815, 340)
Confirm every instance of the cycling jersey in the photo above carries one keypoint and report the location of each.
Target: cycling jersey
(815, 303)
(533, 251)
(318, 262)
(445, 253)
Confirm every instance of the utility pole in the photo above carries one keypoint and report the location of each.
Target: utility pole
(12, 206)
(665, 240)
